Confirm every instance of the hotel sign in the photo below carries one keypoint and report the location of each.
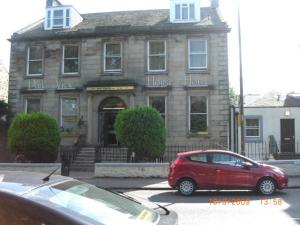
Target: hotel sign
(114, 88)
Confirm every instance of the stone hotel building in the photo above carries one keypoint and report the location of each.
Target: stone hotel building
(83, 68)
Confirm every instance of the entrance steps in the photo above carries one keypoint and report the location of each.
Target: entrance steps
(85, 160)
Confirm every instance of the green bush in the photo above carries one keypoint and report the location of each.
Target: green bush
(143, 131)
(35, 136)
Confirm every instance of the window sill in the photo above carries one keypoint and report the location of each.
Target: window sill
(106, 73)
(156, 73)
(199, 134)
(34, 76)
(198, 71)
(66, 75)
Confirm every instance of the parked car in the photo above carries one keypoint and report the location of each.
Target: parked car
(34, 199)
(217, 169)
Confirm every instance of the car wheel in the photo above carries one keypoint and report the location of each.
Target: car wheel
(267, 186)
(186, 187)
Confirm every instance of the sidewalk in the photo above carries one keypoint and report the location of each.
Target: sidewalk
(142, 183)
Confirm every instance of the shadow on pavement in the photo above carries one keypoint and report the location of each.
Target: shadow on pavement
(211, 196)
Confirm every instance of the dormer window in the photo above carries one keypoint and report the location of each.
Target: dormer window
(60, 17)
(184, 11)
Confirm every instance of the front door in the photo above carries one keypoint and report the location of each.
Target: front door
(108, 111)
(287, 129)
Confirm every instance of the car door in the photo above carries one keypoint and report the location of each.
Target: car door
(203, 170)
(229, 172)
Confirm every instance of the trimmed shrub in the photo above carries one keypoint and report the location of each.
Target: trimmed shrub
(143, 131)
(35, 136)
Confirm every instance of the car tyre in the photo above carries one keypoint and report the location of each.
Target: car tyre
(186, 187)
(267, 186)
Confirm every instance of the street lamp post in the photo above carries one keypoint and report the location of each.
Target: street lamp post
(241, 87)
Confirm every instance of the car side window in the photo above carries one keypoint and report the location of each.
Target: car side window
(227, 159)
(199, 158)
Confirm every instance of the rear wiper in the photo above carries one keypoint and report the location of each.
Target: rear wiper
(133, 199)
(47, 178)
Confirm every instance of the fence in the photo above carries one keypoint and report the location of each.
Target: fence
(67, 154)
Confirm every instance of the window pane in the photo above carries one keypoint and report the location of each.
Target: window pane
(35, 67)
(198, 123)
(113, 63)
(184, 12)
(198, 61)
(58, 13)
(70, 107)
(71, 66)
(192, 11)
(58, 22)
(158, 102)
(177, 12)
(197, 46)
(71, 51)
(33, 105)
(113, 49)
(157, 47)
(252, 122)
(252, 132)
(157, 63)
(199, 158)
(198, 104)
(35, 52)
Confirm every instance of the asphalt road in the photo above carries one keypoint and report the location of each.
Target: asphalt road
(229, 208)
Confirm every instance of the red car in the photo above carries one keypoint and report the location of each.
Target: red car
(218, 169)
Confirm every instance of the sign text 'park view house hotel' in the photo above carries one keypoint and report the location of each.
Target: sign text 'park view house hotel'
(84, 68)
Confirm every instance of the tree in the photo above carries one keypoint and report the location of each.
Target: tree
(233, 98)
(35, 136)
(143, 131)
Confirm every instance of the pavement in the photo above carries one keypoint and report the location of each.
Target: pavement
(142, 183)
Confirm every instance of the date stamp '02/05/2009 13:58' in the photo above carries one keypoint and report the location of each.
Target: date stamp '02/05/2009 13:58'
(245, 201)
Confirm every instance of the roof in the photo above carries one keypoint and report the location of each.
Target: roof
(272, 99)
(21, 182)
(125, 22)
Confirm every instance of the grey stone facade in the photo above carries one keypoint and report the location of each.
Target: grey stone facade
(177, 83)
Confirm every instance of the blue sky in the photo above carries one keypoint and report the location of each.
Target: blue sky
(270, 36)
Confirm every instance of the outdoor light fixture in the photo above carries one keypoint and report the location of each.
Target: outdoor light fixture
(287, 113)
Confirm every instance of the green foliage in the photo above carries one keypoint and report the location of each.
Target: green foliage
(34, 135)
(233, 97)
(143, 131)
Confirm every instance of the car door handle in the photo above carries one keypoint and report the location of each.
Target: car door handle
(217, 170)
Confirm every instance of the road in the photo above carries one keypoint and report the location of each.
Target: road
(229, 208)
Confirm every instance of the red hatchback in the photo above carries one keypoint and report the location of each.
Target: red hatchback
(218, 170)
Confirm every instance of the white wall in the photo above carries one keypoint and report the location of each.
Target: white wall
(271, 121)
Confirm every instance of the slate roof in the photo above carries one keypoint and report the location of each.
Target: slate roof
(125, 22)
(273, 99)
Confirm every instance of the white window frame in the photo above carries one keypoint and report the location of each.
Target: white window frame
(258, 127)
(197, 53)
(34, 60)
(188, 6)
(61, 107)
(161, 54)
(148, 104)
(120, 56)
(50, 21)
(63, 59)
(207, 119)
(26, 103)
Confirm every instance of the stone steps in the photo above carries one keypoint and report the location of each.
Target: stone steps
(85, 160)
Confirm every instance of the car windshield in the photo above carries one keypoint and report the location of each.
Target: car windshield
(96, 204)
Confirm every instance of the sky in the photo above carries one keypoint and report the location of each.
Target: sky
(269, 30)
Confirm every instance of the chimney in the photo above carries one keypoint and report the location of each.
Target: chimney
(215, 4)
(49, 3)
